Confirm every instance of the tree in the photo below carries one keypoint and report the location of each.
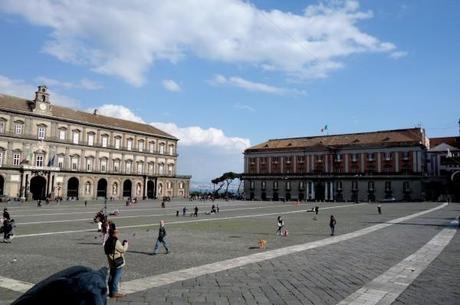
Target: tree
(226, 179)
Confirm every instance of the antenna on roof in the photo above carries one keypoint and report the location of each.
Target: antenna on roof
(95, 112)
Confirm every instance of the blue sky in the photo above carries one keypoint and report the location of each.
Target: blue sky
(225, 74)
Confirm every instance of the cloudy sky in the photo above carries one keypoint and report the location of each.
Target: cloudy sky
(225, 74)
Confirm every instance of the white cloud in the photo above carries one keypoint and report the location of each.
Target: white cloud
(81, 84)
(118, 111)
(25, 90)
(204, 137)
(113, 38)
(243, 107)
(188, 136)
(239, 82)
(171, 85)
(398, 54)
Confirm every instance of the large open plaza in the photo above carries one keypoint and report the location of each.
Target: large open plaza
(215, 258)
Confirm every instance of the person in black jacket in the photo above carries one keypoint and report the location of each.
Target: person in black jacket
(161, 238)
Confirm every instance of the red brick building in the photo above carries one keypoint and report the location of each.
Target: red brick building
(347, 167)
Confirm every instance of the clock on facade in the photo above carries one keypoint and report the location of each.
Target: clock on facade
(42, 106)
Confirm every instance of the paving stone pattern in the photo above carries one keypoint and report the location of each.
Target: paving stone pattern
(319, 276)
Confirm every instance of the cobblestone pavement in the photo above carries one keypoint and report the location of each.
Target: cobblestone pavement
(439, 283)
(318, 276)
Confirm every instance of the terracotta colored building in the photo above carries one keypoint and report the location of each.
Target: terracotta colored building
(368, 166)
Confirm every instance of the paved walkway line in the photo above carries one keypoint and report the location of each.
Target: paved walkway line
(186, 221)
(140, 216)
(384, 289)
(14, 285)
(190, 273)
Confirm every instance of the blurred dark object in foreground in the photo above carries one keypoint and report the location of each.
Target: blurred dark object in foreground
(76, 285)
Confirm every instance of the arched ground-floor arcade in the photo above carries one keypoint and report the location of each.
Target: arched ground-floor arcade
(33, 185)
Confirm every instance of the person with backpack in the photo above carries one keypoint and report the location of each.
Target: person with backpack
(115, 252)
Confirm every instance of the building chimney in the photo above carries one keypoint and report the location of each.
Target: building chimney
(95, 112)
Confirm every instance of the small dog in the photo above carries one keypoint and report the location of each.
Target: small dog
(262, 244)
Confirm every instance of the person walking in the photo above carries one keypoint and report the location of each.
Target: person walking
(6, 215)
(184, 211)
(161, 239)
(280, 226)
(195, 211)
(332, 223)
(115, 252)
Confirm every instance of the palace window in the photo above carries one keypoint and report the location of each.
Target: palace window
(339, 185)
(62, 134)
(116, 166)
(288, 185)
(264, 185)
(61, 162)
(275, 185)
(1, 158)
(75, 137)
(105, 141)
(371, 186)
(354, 157)
(152, 147)
(162, 148)
(103, 165)
(129, 145)
(338, 157)
(89, 164)
(140, 168)
(117, 143)
(91, 139)
(39, 160)
(387, 186)
(74, 162)
(41, 133)
(18, 128)
(140, 145)
(171, 150)
(170, 169)
(161, 168)
(16, 158)
(301, 185)
(2, 126)
(128, 167)
(354, 185)
(370, 156)
(387, 156)
(151, 167)
(252, 185)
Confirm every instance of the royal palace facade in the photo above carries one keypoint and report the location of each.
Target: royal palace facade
(368, 166)
(49, 151)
